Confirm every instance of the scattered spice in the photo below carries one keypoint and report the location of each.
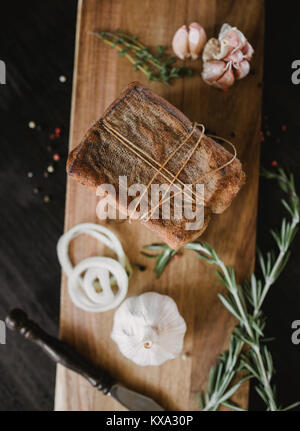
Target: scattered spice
(29, 174)
(50, 169)
(57, 132)
(283, 127)
(31, 125)
(56, 157)
(139, 267)
(46, 199)
(45, 174)
(62, 79)
(157, 67)
(36, 190)
(274, 163)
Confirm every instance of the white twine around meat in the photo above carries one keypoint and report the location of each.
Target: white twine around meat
(162, 170)
(90, 281)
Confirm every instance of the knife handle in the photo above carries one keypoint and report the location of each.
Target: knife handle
(59, 351)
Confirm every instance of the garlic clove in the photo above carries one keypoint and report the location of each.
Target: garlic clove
(242, 70)
(224, 50)
(215, 50)
(247, 51)
(224, 29)
(227, 79)
(211, 49)
(197, 39)
(180, 43)
(243, 39)
(234, 37)
(236, 57)
(233, 40)
(148, 329)
(213, 70)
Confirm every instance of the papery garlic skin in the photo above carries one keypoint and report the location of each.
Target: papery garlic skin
(231, 48)
(189, 43)
(148, 329)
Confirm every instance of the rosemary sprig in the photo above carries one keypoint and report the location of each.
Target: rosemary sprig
(157, 67)
(257, 359)
(162, 258)
(245, 303)
(221, 376)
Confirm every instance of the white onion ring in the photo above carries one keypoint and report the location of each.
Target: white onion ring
(83, 289)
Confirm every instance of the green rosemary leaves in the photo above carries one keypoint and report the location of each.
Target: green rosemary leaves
(163, 255)
(245, 302)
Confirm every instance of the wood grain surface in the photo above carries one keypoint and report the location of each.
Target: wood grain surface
(99, 77)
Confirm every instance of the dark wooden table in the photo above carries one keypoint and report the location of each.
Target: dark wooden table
(37, 45)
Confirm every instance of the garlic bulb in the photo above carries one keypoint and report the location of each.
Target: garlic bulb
(189, 43)
(92, 291)
(148, 329)
(227, 58)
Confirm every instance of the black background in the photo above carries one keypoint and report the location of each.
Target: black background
(37, 44)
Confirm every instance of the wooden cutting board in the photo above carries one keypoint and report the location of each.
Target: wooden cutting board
(99, 76)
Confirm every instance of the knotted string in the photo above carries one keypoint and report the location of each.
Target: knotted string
(162, 167)
(135, 149)
(164, 164)
(161, 202)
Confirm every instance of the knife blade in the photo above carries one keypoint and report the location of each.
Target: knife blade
(133, 400)
(63, 353)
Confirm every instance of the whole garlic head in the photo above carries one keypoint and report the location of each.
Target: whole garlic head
(189, 43)
(148, 329)
(227, 58)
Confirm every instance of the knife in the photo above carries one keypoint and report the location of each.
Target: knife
(63, 353)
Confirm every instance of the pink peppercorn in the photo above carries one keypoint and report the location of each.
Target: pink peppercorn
(57, 131)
